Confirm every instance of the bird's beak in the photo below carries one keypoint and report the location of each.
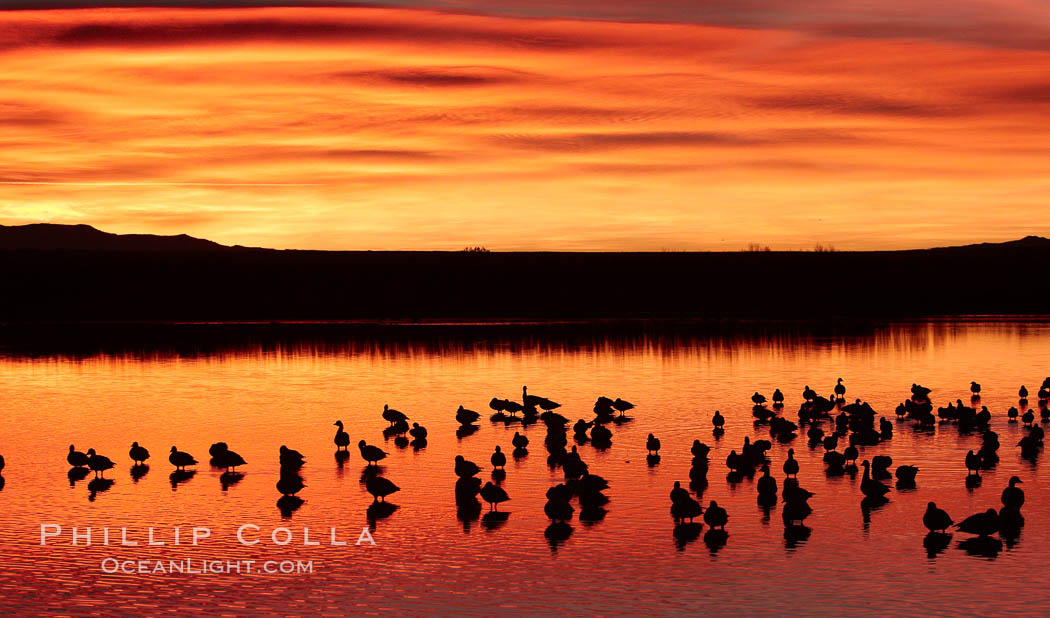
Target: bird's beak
(1019, 482)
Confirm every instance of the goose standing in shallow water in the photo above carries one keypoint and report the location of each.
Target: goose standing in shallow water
(716, 516)
(975, 388)
(371, 454)
(519, 441)
(75, 458)
(493, 495)
(380, 488)
(935, 519)
(291, 459)
(652, 444)
(973, 463)
(468, 417)
(498, 459)
(718, 421)
(791, 464)
(1013, 497)
(223, 457)
(180, 459)
(622, 406)
(98, 463)
(981, 524)
(392, 415)
(840, 389)
(465, 468)
(138, 454)
(1023, 393)
(342, 439)
(418, 432)
(527, 400)
(869, 486)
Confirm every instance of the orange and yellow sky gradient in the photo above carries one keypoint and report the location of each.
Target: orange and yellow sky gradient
(533, 125)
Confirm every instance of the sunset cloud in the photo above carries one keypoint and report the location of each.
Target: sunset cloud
(389, 128)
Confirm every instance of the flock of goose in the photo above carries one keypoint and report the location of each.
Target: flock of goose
(853, 424)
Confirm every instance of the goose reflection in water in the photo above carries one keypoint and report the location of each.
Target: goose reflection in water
(494, 520)
(341, 457)
(289, 505)
(468, 511)
(685, 533)
(97, 486)
(557, 533)
(229, 479)
(377, 511)
(138, 471)
(77, 474)
(179, 477)
(935, 543)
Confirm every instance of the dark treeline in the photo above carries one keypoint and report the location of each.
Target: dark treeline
(256, 284)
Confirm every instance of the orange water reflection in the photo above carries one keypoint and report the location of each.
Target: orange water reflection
(257, 394)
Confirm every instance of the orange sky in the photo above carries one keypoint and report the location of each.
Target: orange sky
(398, 128)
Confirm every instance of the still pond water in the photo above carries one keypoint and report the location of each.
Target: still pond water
(429, 559)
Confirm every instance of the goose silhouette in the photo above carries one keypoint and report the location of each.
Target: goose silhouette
(558, 509)
(138, 454)
(975, 388)
(1013, 496)
(1022, 393)
(180, 459)
(547, 405)
(935, 519)
(767, 485)
(380, 488)
(869, 486)
(718, 420)
(791, 464)
(342, 439)
(851, 454)
(622, 406)
(291, 459)
(75, 458)
(393, 416)
(498, 459)
(371, 454)
(840, 389)
(981, 524)
(973, 463)
(519, 441)
(686, 508)
(468, 417)
(652, 444)
(678, 493)
(223, 457)
(716, 516)
(778, 397)
(466, 468)
(527, 400)
(758, 398)
(493, 495)
(97, 463)
(418, 432)
(906, 474)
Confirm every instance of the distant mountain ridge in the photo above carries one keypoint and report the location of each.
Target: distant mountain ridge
(57, 237)
(83, 237)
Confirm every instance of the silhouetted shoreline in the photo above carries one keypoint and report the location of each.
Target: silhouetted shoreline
(202, 281)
